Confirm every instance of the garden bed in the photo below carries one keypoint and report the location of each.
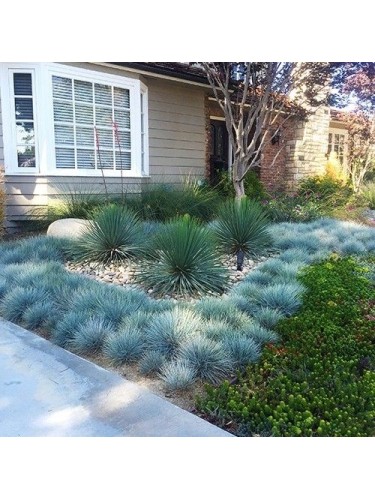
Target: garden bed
(206, 340)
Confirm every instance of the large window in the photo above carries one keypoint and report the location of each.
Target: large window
(337, 145)
(83, 122)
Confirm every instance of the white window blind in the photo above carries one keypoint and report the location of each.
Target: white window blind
(24, 119)
(91, 125)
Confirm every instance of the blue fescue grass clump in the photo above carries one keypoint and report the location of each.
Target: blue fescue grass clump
(41, 315)
(258, 277)
(169, 329)
(140, 320)
(242, 350)
(126, 345)
(18, 299)
(177, 375)
(352, 247)
(218, 330)
(151, 362)
(222, 310)
(90, 335)
(285, 297)
(284, 271)
(261, 335)
(267, 317)
(110, 302)
(35, 249)
(208, 358)
(66, 327)
(3, 287)
(295, 255)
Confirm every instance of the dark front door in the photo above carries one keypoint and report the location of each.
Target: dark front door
(219, 150)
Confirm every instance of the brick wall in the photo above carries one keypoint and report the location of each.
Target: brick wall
(300, 153)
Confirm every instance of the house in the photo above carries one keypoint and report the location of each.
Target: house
(68, 126)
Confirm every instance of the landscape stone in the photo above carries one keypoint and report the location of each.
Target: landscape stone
(67, 228)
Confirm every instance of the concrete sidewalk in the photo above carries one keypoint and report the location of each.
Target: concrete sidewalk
(48, 391)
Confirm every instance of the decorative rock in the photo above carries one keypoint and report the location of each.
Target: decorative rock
(67, 228)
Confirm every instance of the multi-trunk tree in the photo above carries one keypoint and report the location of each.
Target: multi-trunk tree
(355, 83)
(257, 98)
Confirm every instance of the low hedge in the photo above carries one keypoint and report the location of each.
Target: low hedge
(320, 380)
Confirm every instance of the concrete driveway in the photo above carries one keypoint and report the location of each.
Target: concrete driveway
(48, 391)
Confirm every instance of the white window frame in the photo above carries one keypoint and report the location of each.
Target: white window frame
(44, 121)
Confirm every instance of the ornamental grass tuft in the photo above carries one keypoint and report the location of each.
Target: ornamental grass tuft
(169, 329)
(126, 345)
(177, 375)
(208, 358)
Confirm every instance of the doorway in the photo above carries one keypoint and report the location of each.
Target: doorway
(219, 150)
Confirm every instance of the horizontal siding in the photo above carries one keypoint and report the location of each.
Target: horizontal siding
(176, 130)
(25, 194)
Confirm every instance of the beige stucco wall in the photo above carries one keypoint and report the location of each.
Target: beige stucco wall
(176, 148)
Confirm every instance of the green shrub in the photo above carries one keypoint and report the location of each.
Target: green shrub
(114, 234)
(76, 203)
(254, 188)
(325, 190)
(368, 193)
(320, 381)
(284, 207)
(241, 229)
(183, 259)
(167, 201)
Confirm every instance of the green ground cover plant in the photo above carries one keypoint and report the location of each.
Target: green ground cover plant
(320, 379)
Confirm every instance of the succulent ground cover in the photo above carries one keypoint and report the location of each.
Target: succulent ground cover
(320, 379)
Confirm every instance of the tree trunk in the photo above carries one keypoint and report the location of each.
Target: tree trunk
(239, 186)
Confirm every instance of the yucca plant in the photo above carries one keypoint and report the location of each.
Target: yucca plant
(241, 229)
(114, 234)
(183, 260)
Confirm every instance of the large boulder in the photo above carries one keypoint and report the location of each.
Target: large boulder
(67, 228)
